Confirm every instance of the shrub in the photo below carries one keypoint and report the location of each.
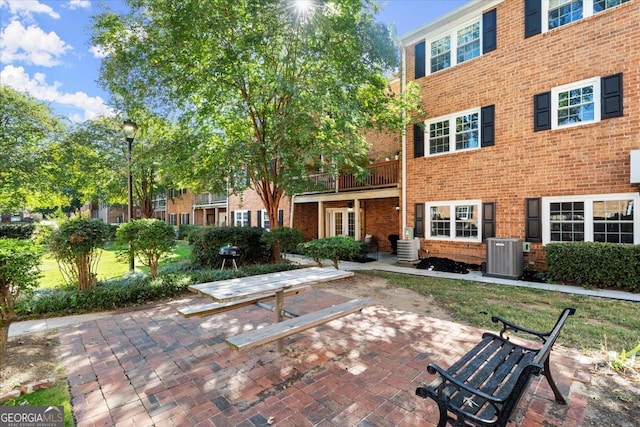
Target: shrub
(206, 244)
(74, 245)
(333, 248)
(17, 231)
(19, 261)
(601, 265)
(288, 238)
(186, 230)
(149, 240)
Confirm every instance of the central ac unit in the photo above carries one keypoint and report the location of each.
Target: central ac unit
(504, 258)
(408, 250)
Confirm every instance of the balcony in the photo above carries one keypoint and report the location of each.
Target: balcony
(381, 175)
(208, 199)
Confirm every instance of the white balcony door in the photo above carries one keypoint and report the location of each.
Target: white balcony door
(340, 222)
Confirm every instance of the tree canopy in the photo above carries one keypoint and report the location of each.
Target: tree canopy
(263, 92)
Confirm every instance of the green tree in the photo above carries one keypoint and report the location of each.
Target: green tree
(75, 247)
(19, 261)
(263, 93)
(27, 127)
(149, 240)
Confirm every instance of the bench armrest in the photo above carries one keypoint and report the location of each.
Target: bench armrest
(433, 369)
(510, 326)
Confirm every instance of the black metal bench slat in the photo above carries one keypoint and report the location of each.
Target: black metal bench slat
(485, 385)
(506, 356)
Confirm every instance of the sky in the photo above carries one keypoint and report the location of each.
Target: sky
(45, 47)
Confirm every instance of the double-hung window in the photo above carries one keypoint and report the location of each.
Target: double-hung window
(465, 42)
(576, 103)
(241, 218)
(609, 218)
(456, 132)
(265, 220)
(545, 15)
(454, 220)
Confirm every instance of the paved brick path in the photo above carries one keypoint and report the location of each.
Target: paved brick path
(154, 367)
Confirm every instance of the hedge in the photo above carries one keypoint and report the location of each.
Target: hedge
(595, 264)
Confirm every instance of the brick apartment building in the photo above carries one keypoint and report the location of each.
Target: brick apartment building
(533, 116)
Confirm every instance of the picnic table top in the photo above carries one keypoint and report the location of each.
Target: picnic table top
(243, 287)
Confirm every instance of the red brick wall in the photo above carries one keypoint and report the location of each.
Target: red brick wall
(384, 145)
(181, 204)
(250, 200)
(590, 159)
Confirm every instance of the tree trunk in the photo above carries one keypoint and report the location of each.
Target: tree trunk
(4, 338)
(7, 316)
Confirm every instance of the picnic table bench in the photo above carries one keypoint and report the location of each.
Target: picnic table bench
(486, 384)
(240, 292)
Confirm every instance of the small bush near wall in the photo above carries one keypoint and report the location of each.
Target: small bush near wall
(186, 230)
(17, 231)
(333, 248)
(206, 244)
(601, 265)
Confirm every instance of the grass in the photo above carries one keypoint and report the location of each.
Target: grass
(474, 303)
(58, 395)
(110, 265)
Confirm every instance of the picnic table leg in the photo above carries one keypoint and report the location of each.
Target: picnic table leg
(280, 317)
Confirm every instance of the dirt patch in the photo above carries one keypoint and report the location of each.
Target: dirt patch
(614, 399)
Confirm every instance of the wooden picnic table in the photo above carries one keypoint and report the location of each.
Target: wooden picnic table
(233, 293)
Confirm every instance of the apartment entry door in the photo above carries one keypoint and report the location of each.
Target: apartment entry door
(340, 222)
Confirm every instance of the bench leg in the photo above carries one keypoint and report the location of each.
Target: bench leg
(280, 317)
(552, 383)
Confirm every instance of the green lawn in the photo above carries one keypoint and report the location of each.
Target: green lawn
(109, 266)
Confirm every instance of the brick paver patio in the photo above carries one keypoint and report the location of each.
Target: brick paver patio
(154, 367)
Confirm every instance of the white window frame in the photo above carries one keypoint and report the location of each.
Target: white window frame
(588, 213)
(587, 11)
(452, 33)
(266, 224)
(452, 205)
(595, 82)
(184, 215)
(452, 132)
(241, 218)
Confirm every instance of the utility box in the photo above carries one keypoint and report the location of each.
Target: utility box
(408, 250)
(504, 258)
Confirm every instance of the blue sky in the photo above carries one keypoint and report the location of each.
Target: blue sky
(45, 47)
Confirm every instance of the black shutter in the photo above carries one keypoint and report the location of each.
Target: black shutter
(418, 141)
(420, 60)
(280, 217)
(418, 222)
(487, 128)
(611, 96)
(233, 218)
(259, 218)
(532, 17)
(248, 218)
(542, 111)
(489, 31)
(533, 220)
(488, 220)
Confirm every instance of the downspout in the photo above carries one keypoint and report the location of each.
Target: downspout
(403, 83)
(291, 210)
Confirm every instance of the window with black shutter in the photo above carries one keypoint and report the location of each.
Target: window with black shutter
(532, 17)
(418, 224)
(259, 218)
(420, 63)
(280, 217)
(611, 96)
(542, 111)
(418, 141)
(488, 220)
(489, 31)
(533, 220)
(487, 130)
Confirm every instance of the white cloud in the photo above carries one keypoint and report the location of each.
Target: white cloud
(79, 4)
(31, 45)
(28, 7)
(98, 51)
(18, 79)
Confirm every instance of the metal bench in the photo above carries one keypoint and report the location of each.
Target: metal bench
(485, 385)
(279, 330)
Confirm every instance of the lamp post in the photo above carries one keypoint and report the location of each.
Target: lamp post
(129, 129)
